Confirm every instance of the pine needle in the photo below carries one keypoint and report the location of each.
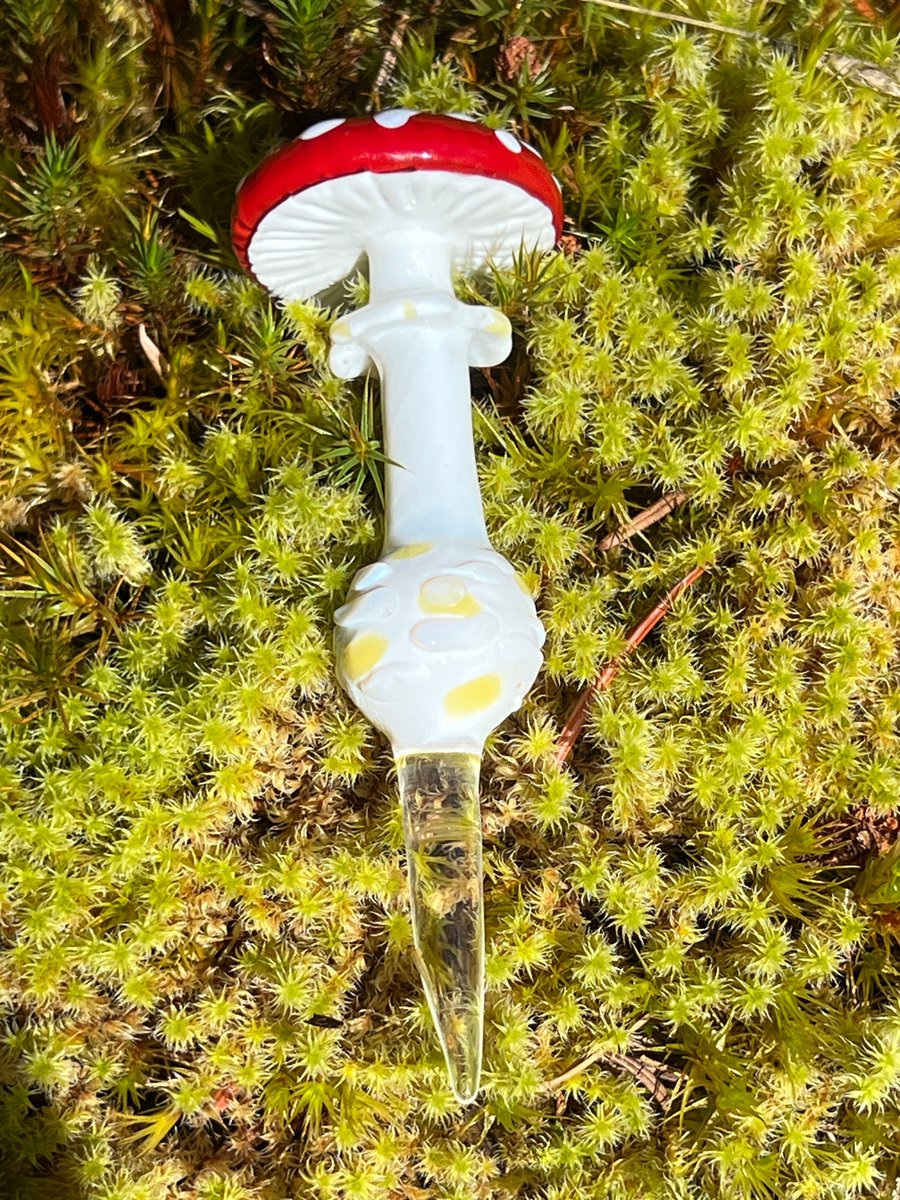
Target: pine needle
(661, 508)
(579, 714)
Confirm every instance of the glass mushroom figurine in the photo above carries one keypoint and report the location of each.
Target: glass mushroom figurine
(439, 639)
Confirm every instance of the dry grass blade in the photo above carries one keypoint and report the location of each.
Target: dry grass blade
(640, 11)
(152, 352)
(573, 1072)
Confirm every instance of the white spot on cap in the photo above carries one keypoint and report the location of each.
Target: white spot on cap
(394, 118)
(321, 127)
(461, 116)
(510, 142)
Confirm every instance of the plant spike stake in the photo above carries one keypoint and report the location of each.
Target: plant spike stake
(439, 640)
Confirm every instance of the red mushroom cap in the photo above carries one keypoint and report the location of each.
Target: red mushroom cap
(387, 143)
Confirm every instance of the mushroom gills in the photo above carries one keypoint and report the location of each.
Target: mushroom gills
(442, 829)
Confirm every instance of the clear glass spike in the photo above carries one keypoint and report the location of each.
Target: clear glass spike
(442, 827)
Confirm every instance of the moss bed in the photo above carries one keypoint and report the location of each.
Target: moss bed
(207, 987)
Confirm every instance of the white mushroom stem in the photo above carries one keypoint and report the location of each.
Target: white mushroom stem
(417, 259)
(423, 341)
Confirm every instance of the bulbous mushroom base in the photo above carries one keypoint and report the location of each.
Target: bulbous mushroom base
(437, 644)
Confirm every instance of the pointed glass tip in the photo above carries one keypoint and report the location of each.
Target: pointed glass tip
(442, 827)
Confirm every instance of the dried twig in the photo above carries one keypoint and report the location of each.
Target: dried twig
(389, 62)
(650, 1074)
(578, 715)
(45, 80)
(661, 508)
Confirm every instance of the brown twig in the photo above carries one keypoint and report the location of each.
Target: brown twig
(578, 715)
(652, 1075)
(44, 78)
(661, 508)
(166, 48)
(649, 1073)
(389, 61)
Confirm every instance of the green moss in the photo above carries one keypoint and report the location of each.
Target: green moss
(205, 966)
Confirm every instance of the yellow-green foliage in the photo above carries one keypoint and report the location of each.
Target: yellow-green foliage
(206, 972)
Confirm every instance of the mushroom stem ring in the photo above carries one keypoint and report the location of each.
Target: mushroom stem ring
(439, 639)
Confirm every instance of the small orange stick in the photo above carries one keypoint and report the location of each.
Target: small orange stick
(661, 508)
(580, 710)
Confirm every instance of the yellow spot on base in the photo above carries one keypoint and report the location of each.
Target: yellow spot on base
(500, 324)
(473, 696)
(363, 653)
(520, 580)
(340, 329)
(413, 550)
(466, 606)
(409, 310)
